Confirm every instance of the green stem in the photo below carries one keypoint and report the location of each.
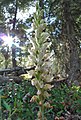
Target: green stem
(42, 107)
(42, 111)
(12, 114)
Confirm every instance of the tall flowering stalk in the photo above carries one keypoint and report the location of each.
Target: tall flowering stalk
(41, 57)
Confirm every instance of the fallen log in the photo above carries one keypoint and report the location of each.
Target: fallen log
(19, 70)
(12, 74)
(5, 79)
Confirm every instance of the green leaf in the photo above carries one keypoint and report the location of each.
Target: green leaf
(6, 105)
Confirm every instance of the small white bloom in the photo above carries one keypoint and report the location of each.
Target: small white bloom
(33, 82)
(38, 92)
(44, 36)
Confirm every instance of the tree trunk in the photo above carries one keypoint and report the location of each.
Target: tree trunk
(14, 56)
(15, 15)
(13, 47)
(69, 32)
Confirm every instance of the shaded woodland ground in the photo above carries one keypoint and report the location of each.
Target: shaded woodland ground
(40, 60)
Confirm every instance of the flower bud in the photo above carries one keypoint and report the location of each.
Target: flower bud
(39, 114)
(40, 103)
(34, 98)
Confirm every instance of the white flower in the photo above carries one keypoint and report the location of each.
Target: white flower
(46, 94)
(48, 86)
(42, 22)
(44, 36)
(33, 82)
(41, 27)
(38, 92)
(49, 78)
(31, 73)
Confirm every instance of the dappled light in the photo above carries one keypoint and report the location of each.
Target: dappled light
(40, 60)
(7, 39)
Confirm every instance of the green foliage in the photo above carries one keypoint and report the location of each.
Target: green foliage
(13, 105)
(17, 106)
(66, 99)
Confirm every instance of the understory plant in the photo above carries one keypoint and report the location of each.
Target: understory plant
(42, 58)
